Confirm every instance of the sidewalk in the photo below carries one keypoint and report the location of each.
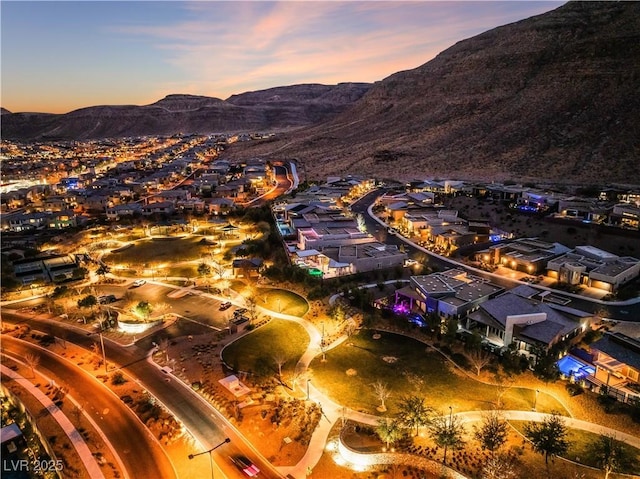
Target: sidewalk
(92, 467)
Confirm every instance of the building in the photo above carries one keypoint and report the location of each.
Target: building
(529, 255)
(517, 319)
(616, 357)
(594, 267)
(450, 294)
(369, 256)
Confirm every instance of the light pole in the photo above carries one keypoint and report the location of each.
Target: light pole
(104, 355)
(191, 456)
(308, 381)
(535, 400)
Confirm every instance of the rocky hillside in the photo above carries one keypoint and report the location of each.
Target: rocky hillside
(268, 110)
(554, 96)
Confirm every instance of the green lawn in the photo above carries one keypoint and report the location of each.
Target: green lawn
(409, 368)
(256, 351)
(154, 252)
(278, 300)
(580, 451)
(282, 301)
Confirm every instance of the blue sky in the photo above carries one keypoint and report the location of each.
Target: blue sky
(59, 56)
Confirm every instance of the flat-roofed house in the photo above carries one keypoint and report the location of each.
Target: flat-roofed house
(527, 323)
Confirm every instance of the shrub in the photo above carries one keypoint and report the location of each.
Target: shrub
(574, 389)
(118, 378)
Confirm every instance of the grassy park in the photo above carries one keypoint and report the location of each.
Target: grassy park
(159, 251)
(407, 366)
(580, 449)
(259, 351)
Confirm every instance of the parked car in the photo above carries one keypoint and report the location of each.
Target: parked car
(106, 299)
(138, 282)
(245, 465)
(239, 311)
(226, 305)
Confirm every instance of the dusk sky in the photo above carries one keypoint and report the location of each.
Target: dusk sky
(60, 56)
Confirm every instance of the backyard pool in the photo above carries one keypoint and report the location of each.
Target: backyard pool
(572, 367)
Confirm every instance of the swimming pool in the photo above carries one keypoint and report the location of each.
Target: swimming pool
(572, 367)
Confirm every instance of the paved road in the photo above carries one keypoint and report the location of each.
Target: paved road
(115, 419)
(621, 312)
(207, 426)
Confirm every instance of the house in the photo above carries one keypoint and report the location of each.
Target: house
(594, 267)
(450, 294)
(524, 322)
(583, 209)
(165, 207)
(127, 210)
(219, 206)
(529, 255)
(370, 256)
(616, 357)
(626, 216)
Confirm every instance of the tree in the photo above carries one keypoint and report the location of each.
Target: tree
(218, 269)
(548, 437)
(609, 453)
(450, 330)
(478, 359)
(88, 301)
(252, 308)
(389, 431)
(382, 393)
(32, 361)
(546, 367)
(414, 413)
(144, 309)
(447, 433)
(280, 359)
(492, 434)
(163, 345)
(500, 466)
(204, 269)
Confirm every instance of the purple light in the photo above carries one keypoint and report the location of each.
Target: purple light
(400, 308)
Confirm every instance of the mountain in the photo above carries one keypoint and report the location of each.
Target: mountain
(268, 110)
(555, 96)
(552, 97)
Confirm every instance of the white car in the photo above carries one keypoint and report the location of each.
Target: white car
(138, 282)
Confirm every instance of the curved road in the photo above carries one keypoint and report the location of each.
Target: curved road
(620, 312)
(204, 422)
(119, 424)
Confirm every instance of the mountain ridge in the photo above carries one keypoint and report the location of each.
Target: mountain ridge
(554, 96)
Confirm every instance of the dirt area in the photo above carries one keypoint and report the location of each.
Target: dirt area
(159, 422)
(51, 430)
(274, 418)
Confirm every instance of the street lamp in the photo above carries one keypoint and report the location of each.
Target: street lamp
(535, 400)
(104, 355)
(191, 456)
(308, 381)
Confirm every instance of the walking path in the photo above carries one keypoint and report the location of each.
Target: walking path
(333, 412)
(72, 433)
